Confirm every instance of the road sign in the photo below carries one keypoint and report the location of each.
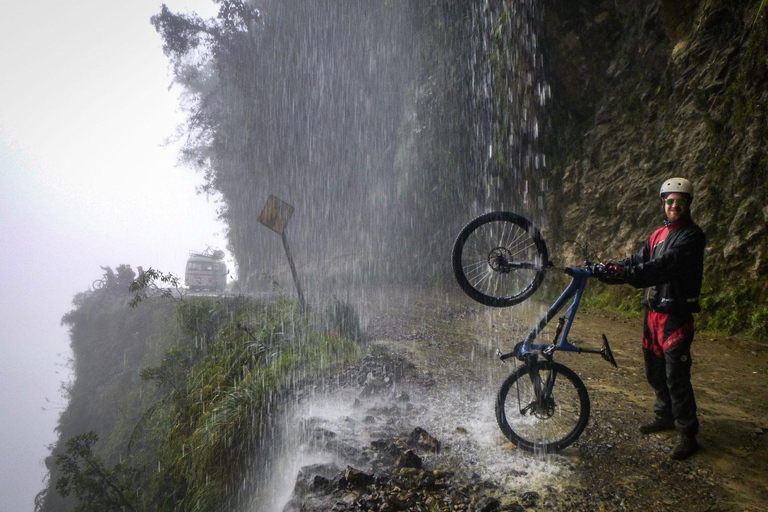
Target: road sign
(276, 214)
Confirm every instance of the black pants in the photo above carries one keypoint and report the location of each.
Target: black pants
(667, 340)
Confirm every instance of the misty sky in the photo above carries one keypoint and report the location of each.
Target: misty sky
(85, 181)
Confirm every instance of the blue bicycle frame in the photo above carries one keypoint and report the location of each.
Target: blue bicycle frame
(575, 291)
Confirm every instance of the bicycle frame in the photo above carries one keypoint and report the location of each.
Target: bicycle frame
(575, 290)
(486, 257)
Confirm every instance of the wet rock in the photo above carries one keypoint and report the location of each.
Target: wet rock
(514, 506)
(315, 477)
(421, 438)
(356, 479)
(530, 499)
(310, 504)
(347, 451)
(319, 482)
(386, 446)
(409, 460)
(320, 434)
(396, 503)
(373, 385)
(487, 505)
(313, 489)
(411, 473)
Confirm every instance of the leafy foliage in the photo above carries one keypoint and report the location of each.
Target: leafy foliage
(733, 309)
(181, 427)
(685, 96)
(146, 285)
(216, 399)
(98, 488)
(275, 97)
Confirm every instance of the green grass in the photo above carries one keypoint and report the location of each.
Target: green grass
(198, 411)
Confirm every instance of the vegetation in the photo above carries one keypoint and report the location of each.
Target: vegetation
(97, 488)
(390, 127)
(153, 283)
(673, 89)
(477, 114)
(373, 147)
(173, 398)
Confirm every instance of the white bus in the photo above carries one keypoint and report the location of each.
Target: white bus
(206, 271)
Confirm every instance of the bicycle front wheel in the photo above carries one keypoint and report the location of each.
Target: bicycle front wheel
(548, 424)
(499, 259)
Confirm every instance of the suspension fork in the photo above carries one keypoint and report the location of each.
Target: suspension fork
(542, 393)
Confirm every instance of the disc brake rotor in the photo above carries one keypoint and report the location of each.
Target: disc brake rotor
(499, 260)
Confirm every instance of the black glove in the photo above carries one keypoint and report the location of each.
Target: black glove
(610, 272)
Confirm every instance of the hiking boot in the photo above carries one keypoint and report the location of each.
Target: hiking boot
(658, 425)
(686, 447)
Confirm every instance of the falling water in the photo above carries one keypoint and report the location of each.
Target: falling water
(510, 86)
(387, 125)
(473, 444)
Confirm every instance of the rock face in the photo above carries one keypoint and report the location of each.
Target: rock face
(648, 90)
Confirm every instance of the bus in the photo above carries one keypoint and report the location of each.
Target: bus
(206, 271)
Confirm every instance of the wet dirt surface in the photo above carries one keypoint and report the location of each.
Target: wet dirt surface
(450, 341)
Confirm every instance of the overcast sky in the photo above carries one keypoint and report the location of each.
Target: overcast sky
(85, 181)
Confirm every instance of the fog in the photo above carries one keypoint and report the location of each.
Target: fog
(85, 181)
(86, 103)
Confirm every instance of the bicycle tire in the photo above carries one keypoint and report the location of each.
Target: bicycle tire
(499, 259)
(98, 284)
(543, 431)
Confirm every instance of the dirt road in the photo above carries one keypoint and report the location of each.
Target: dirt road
(452, 340)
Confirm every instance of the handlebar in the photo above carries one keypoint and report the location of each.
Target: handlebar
(590, 269)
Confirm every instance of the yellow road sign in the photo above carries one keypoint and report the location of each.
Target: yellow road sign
(276, 214)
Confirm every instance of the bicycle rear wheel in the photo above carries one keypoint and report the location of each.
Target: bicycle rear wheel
(499, 259)
(543, 426)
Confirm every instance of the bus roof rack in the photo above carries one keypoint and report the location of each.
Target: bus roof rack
(214, 254)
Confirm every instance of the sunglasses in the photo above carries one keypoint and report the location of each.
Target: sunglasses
(680, 202)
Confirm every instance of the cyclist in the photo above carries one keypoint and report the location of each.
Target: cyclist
(670, 268)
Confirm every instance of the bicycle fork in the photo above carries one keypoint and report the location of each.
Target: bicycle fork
(543, 403)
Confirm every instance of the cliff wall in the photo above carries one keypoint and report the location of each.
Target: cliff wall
(649, 90)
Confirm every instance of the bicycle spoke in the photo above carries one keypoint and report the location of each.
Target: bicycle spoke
(548, 423)
(497, 259)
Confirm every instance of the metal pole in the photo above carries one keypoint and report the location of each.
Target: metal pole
(293, 271)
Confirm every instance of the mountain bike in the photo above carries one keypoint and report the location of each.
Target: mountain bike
(500, 259)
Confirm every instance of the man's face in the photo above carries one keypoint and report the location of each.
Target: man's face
(678, 207)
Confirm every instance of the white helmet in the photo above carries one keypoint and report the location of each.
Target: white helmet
(679, 185)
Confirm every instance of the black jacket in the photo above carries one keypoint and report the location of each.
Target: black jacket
(670, 267)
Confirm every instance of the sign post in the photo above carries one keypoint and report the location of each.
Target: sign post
(275, 216)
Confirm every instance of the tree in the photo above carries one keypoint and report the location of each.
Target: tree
(145, 285)
(98, 488)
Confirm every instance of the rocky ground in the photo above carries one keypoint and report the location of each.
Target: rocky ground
(426, 437)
